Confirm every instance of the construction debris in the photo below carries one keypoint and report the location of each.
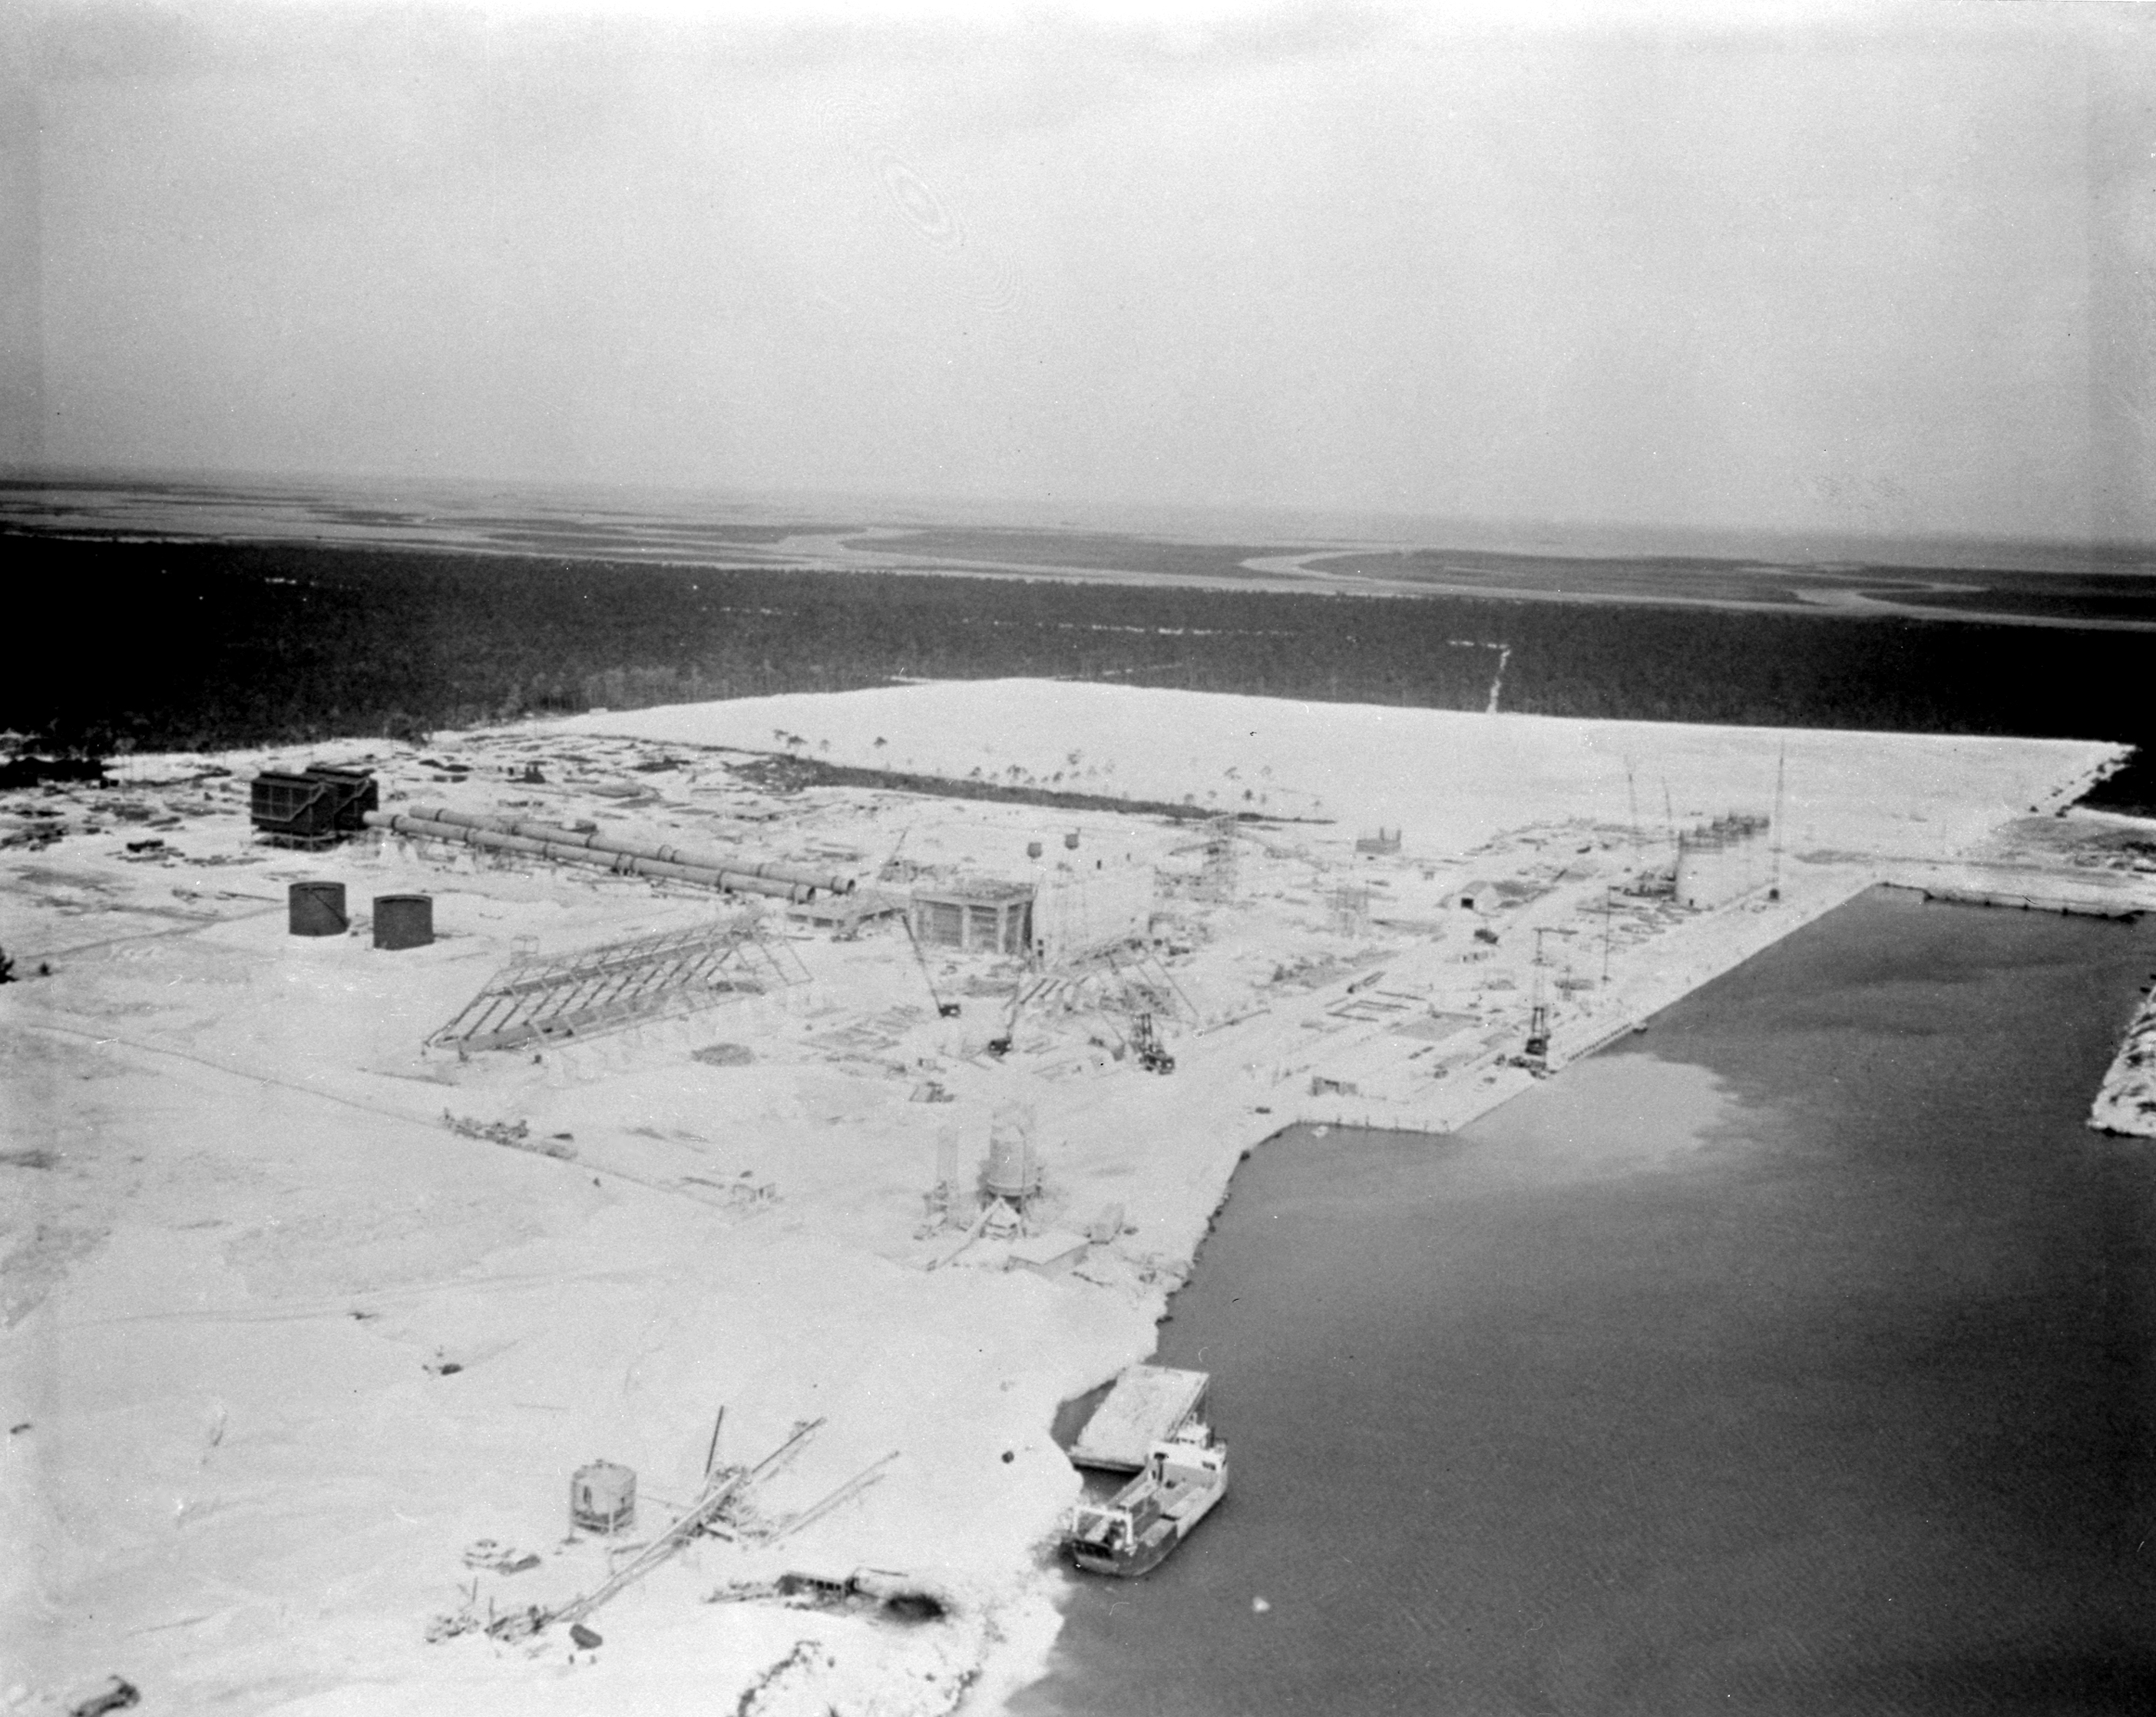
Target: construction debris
(515, 1134)
(876, 1592)
(490, 1556)
(725, 1489)
(121, 1696)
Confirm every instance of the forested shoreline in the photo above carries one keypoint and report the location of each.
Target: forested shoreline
(196, 645)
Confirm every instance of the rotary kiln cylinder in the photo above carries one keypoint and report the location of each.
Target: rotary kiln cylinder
(317, 909)
(403, 920)
(602, 1498)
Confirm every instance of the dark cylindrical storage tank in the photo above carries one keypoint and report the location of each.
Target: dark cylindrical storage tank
(317, 909)
(403, 920)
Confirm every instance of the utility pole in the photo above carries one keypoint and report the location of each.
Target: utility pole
(1781, 764)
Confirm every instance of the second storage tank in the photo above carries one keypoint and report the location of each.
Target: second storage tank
(403, 920)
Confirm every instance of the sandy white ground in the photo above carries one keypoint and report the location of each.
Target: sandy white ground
(1451, 780)
(280, 1344)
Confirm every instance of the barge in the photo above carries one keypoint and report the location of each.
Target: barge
(1149, 1404)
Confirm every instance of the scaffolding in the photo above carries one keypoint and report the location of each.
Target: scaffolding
(1347, 912)
(1216, 875)
(621, 984)
(1720, 861)
(1122, 982)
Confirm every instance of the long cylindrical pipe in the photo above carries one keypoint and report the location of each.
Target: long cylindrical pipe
(730, 881)
(621, 863)
(777, 872)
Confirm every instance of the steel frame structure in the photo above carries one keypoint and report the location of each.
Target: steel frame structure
(1216, 881)
(619, 985)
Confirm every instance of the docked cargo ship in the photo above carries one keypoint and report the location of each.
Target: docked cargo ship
(1183, 1478)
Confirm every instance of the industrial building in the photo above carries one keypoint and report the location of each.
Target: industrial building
(1081, 913)
(984, 916)
(1068, 915)
(316, 808)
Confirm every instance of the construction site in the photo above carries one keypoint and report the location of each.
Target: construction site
(406, 1138)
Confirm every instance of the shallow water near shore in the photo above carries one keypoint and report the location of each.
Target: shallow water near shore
(1794, 1357)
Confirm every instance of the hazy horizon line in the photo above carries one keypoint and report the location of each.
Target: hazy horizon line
(1314, 526)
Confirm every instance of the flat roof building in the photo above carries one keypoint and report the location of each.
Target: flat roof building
(984, 916)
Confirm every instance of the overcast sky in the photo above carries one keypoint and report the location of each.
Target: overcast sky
(1881, 269)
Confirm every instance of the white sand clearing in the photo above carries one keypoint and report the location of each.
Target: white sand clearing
(282, 1347)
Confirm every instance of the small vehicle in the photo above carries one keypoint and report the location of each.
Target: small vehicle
(1145, 1043)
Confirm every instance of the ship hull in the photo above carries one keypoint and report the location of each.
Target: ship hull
(1184, 1476)
(1131, 1561)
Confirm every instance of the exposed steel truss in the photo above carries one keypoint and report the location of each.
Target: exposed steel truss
(620, 984)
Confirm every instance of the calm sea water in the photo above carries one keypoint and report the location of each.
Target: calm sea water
(1795, 1358)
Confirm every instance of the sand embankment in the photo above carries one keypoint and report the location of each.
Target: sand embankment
(2126, 1102)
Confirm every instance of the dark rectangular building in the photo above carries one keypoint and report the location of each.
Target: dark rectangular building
(317, 808)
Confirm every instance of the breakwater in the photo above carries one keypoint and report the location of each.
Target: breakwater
(2086, 906)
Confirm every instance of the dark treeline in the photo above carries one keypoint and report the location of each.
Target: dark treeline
(200, 645)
